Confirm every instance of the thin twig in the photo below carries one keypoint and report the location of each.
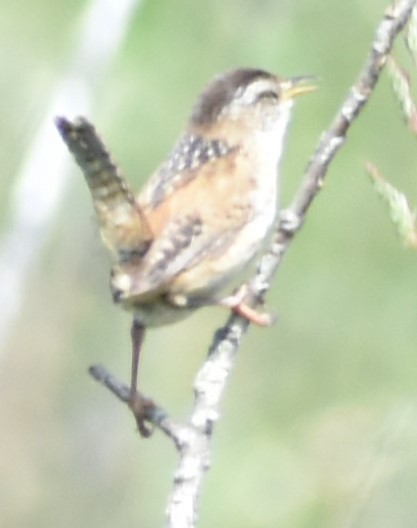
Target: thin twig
(395, 18)
(212, 378)
(155, 414)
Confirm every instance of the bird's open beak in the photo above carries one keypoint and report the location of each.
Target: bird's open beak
(296, 86)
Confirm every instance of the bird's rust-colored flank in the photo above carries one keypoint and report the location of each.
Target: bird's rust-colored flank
(205, 215)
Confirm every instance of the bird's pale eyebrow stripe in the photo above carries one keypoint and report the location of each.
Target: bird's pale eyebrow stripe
(190, 153)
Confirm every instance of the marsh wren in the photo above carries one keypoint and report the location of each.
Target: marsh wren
(206, 213)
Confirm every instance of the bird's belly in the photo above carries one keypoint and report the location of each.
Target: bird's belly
(159, 312)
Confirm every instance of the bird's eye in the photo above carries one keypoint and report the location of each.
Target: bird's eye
(268, 95)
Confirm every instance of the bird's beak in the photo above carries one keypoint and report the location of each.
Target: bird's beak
(296, 86)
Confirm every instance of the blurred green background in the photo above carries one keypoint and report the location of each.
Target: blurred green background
(318, 426)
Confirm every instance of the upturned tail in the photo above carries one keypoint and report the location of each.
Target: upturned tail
(123, 228)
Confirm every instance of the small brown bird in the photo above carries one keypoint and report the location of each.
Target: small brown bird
(206, 213)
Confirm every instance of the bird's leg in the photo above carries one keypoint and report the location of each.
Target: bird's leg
(138, 403)
(236, 303)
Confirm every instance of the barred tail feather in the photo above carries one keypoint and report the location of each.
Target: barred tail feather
(123, 228)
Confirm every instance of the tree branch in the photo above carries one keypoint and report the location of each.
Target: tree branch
(211, 379)
(193, 438)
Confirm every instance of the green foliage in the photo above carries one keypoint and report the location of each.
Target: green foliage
(399, 210)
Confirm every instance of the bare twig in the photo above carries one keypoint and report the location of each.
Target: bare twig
(211, 379)
(155, 414)
(193, 439)
(394, 20)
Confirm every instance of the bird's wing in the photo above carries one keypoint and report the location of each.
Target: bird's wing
(195, 224)
(185, 162)
(186, 242)
(195, 208)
